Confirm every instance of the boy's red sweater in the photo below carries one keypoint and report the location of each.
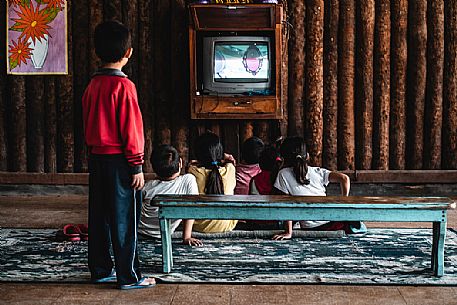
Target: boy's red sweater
(112, 118)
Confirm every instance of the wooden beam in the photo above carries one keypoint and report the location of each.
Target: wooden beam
(35, 124)
(50, 125)
(17, 155)
(417, 67)
(314, 81)
(450, 87)
(346, 129)
(330, 113)
(399, 31)
(381, 86)
(434, 100)
(296, 67)
(364, 83)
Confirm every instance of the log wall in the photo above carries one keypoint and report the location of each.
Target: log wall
(372, 85)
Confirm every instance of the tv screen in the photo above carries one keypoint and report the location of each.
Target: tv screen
(236, 65)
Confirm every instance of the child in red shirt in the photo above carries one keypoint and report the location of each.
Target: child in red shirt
(113, 130)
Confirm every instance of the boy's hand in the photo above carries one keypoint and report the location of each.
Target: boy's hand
(282, 236)
(137, 181)
(192, 242)
(229, 158)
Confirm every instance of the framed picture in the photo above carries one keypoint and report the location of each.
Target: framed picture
(36, 37)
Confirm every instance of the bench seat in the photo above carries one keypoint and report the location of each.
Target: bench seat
(329, 208)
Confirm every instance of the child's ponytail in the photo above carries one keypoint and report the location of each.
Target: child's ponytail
(293, 150)
(209, 152)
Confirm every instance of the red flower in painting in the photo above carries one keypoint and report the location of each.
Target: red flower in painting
(33, 23)
(20, 51)
(54, 3)
(14, 2)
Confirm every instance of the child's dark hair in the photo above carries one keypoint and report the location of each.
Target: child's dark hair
(112, 40)
(251, 149)
(165, 161)
(293, 151)
(209, 152)
(269, 160)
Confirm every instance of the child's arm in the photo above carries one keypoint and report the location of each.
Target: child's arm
(343, 180)
(287, 224)
(187, 234)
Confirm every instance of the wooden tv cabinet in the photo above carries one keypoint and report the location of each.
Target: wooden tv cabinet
(239, 19)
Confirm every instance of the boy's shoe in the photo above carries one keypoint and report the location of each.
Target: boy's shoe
(142, 283)
(107, 279)
(71, 232)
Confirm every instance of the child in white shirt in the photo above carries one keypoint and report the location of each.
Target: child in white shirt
(298, 179)
(167, 165)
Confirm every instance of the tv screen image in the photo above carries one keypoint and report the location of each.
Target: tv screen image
(236, 65)
(238, 62)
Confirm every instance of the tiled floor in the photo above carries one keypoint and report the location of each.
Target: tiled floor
(51, 212)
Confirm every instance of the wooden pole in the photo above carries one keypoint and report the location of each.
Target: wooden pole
(330, 115)
(314, 93)
(35, 124)
(50, 125)
(180, 80)
(17, 129)
(417, 67)
(283, 124)
(81, 78)
(434, 99)
(364, 98)
(95, 17)
(296, 67)
(397, 145)
(3, 96)
(161, 70)
(381, 98)
(65, 113)
(144, 54)
(450, 87)
(346, 131)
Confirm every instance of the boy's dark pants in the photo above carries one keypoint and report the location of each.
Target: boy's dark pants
(114, 211)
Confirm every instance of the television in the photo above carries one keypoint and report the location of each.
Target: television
(237, 65)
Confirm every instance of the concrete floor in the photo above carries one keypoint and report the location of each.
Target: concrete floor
(54, 212)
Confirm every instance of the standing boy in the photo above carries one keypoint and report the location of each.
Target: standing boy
(113, 130)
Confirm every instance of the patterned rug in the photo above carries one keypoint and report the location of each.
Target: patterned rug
(381, 256)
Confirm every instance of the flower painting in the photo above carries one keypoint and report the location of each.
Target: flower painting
(37, 37)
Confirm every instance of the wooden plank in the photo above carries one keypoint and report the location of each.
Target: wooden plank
(3, 97)
(314, 81)
(450, 87)
(81, 78)
(296, 67)
(381, 86)
(434, 99)
(283, 123)
(399, 31)
(144, 54)
(35, 124)
(330, 113)
(406, 176)
(65, 114)
(17, 155)
(417, 66)
(346, 129)
(364, 84)
(161, 71)
(50, 125)
(179, 62)
(95, 17)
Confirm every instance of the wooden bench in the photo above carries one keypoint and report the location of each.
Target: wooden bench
(352, 208)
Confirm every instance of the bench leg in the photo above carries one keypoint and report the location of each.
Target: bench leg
(439, 235)
(167, 251)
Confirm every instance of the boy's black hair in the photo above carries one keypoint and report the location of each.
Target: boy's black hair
(112, 40)
(209, 152)
(165, 161)
(294, 154)
(268, 158)
(251, 149)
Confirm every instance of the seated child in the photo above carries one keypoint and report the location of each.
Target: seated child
(249, 166)
(269, 162)
(167, 165)
(298, 179)
(215, 174)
